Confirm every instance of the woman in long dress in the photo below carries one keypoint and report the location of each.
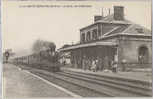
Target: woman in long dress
(93, 68)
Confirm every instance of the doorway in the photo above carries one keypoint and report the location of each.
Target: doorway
(143, 54)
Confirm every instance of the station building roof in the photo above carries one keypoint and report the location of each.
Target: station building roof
(126, 26)
(99, 43)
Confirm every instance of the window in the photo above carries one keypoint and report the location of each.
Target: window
(139, 30)
(83, 37)
(88, 36)
(94, 34)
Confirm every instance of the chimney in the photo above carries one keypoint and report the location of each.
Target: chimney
(109, 11)
(102, 14)
(97, 18)
(118, 13)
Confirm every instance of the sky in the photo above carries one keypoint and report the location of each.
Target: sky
(21, 26)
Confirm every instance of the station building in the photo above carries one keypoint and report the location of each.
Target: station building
(113, 38)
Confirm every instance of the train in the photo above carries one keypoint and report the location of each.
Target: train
(44, 60)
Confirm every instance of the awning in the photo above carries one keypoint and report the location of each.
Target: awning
(89, 45)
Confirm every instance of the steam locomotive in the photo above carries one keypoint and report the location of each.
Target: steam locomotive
(42, 60)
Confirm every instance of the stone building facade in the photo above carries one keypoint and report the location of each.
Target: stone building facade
(113, 38)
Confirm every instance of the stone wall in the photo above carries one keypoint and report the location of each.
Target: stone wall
(128, 49)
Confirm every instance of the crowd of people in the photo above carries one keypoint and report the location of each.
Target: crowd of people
(99, 65)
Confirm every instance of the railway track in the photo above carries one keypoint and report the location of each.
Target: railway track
(130, 86)
(94, 86)
(71, 86)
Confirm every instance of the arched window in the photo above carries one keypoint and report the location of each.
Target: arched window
(94, 34)
(83, 37)
(143, 54)
(88, 36)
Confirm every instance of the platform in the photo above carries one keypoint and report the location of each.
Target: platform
(18, 83)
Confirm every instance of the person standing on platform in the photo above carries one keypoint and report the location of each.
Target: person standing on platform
(101, 64)
(123, 65)
(114, 66)
(86, 63)
(98, 64)
(90, 64)
(106, 63)
(97, 67)
(83, 63)
(93, 67)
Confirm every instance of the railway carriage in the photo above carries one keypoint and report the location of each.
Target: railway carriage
(41, 60)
